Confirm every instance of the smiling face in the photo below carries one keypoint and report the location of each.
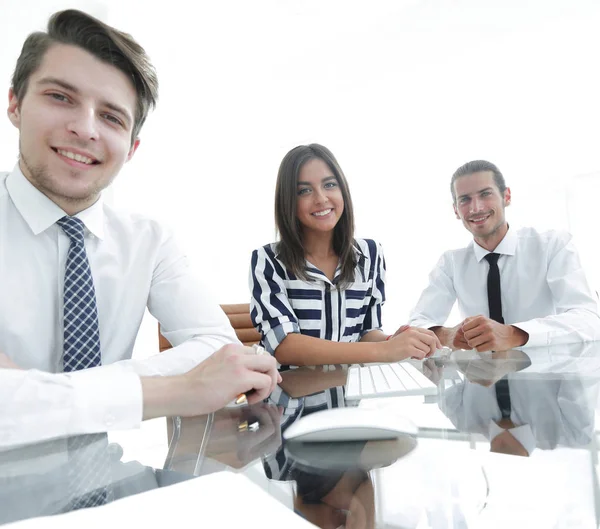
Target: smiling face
(319, 203)
(480, 206)
(75, 123)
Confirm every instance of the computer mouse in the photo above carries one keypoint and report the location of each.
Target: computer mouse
(349, 424)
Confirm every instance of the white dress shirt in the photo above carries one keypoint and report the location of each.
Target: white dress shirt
(559, 410)
(544, 289)
(135, 264)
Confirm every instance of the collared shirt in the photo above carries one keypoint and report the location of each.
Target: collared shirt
(558, 408)
(543, 287)
(135, 264)
(282, 304)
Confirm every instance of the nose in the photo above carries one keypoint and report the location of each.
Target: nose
(83, 124)
(476, 205)
(320, 197)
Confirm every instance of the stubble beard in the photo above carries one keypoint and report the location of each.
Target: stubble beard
(40, 177)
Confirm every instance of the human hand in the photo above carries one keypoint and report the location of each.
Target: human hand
(410, 343)
(400, 330)
(217, 381)
(485, 334)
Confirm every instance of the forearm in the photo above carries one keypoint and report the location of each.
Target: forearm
(160, 395)
(179, 359)
(38, 406)
(572, 326)
(297, 349)
(444, 335)
(374, 336)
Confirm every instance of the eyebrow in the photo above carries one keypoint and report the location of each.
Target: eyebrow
(476, 192)
(327, 178)
(75, 90)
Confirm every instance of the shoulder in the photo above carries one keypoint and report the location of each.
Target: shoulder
(125, 224)
(369, 247)
(549, 238)
(456, 255)
(268, 251)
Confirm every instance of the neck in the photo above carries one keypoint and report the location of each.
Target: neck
(318, 244)
(71, 206)
(490, 242)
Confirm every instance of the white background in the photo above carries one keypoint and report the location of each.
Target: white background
(403, 92)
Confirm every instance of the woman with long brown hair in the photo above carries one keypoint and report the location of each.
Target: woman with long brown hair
(317, 292)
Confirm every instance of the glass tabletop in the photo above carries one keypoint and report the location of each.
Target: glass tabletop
(471, 460)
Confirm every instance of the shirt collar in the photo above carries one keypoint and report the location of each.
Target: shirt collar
(40, 212)
(507, 246)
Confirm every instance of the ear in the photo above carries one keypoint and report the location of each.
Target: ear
(456, 211)
(507, 197)
(13, 112)
(134, 148)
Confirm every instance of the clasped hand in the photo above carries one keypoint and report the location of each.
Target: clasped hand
(485, 334)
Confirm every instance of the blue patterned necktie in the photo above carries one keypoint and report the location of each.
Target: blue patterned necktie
(81, 332)
(89, 466)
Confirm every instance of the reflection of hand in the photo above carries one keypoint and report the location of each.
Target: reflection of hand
(236, 449)
(488, 369)
(484, 334)
(361, 513)
(7, 363)
(432, 371)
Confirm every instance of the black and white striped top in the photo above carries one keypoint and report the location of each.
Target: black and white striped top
(282, 304)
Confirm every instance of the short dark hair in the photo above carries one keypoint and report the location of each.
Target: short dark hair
(290, 247)
(108, 44)
(476, 166)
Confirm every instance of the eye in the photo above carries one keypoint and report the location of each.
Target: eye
(303, 191)
(486, 194)
(331, 185)
(113, 119)
(59, 97)
(463, 200)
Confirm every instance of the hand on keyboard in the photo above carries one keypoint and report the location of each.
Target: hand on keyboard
(410, 343)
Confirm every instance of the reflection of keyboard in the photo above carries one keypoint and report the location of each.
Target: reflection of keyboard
(387, 380)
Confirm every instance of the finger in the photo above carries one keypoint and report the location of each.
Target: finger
(430, 342)
(473, 333)
(478, 340)
(421, 345)
(487, 345)
(259, 382)
(260, 363)
(471, 323)
(417, 354)
(462, 344)
(401, 330)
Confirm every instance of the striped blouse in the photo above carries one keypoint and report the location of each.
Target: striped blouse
(282, 304)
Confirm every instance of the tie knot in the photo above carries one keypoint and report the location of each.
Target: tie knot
(73, 227)
(492, 258)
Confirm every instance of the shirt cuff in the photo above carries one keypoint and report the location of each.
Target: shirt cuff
(106, 398)
(538, 333)
(424, 324)
(277, 334)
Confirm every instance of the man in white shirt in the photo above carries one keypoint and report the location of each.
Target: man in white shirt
(79, 96)
(545, 297)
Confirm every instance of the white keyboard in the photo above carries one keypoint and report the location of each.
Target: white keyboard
(387, 380)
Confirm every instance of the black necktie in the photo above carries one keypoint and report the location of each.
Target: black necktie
(495, 306)
(493, 288)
